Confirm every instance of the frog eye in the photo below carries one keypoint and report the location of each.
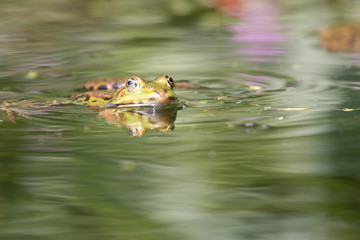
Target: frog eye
(170, 81)
(130, 82)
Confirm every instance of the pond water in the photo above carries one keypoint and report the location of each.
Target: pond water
(266, 145)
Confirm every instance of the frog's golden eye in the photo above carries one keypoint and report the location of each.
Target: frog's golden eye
(132, 83)
(169, 81)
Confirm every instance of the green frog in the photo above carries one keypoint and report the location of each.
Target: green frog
(132, 92)
(137, 104)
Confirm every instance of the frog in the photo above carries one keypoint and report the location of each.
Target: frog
(135, 103)
(131, 92)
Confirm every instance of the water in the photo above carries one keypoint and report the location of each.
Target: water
(266, 146)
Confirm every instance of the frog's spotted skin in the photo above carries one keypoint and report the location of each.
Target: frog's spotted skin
(135, 92)
(92, 99)
(106, 84)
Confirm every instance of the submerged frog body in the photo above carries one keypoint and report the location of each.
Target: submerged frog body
(133, 92)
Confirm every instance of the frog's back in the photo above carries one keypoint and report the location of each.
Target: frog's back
(92, 99)
(108, 84)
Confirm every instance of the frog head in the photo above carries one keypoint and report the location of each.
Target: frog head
(138, 92)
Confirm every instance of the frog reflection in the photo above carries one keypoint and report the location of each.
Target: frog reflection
(139, 121)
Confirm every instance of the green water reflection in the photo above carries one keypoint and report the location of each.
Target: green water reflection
(265, 148)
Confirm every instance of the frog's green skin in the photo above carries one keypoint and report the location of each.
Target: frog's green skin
(133, 92)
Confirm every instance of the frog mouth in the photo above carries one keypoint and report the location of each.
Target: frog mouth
(142, 105)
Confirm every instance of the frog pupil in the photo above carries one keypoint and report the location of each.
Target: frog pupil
(130, 82)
